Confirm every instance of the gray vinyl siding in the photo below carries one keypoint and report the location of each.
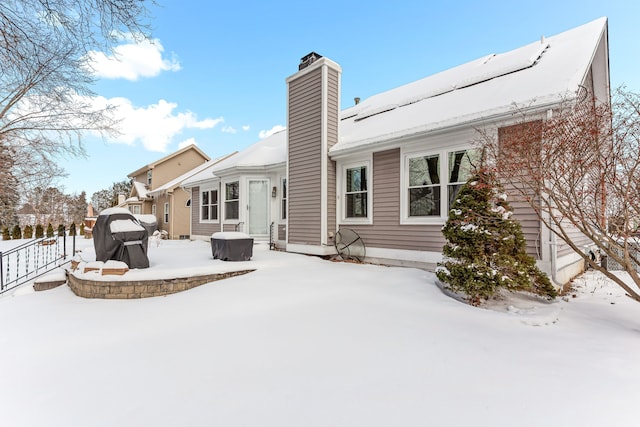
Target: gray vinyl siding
(331, 198)
(386, 230)
(305, 112)
(529, 223)
(579, 239)
(333, 109)
(198, 228)
(522, 210)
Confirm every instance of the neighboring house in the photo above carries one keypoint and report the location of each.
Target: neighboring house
(390, 166)
(156, 190)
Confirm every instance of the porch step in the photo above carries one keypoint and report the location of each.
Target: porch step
(50, 281)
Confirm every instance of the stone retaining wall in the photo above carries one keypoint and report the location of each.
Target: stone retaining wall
(142, 288)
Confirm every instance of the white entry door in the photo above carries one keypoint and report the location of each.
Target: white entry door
(258, 207)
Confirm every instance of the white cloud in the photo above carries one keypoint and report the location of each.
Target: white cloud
(246, 128)
(265, 133)
(154, 125)
(187, 142)
(228, 129)
(132, 60)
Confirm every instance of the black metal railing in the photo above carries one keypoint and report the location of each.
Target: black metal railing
(32, 259)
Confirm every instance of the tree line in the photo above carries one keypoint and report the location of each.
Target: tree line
(52, 206)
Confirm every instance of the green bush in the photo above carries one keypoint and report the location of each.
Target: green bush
(5, 234)
(60, 230)
(16, 232)
(49, 230)
(28, 232)
(72, 229)
(39, 231)
(82, 228)
(485, 248)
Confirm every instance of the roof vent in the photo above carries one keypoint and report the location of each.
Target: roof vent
(308, 59)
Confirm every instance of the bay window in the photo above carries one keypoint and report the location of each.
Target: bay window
(231, 200)
(283, 207)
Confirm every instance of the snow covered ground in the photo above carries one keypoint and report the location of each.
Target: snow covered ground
(307, 342)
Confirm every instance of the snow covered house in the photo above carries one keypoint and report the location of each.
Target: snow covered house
(389, 166)
(156, 190)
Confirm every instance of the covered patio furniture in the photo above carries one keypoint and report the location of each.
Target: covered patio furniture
(231, 246)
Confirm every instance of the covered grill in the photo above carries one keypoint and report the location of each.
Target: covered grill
(119, 236)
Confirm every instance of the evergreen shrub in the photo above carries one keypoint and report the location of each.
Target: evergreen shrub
(486, 249)
(39, 231)
(16, 232)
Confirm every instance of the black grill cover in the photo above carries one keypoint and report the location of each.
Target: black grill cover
(129, 246)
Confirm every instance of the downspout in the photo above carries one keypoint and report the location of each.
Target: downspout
(553, 247)
(189, 194)
(553, 250)
(171, 212)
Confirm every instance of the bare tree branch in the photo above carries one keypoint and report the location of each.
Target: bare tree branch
(46, 103)
(578, 168)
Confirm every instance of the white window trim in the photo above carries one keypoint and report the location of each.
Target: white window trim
(202, 190)
(341, 191)
(444, 184)
(223, 198)
(281, 218)
(165, 213)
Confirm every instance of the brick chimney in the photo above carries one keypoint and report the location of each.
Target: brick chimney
(313, 106)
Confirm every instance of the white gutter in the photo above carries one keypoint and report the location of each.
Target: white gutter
(388, 141)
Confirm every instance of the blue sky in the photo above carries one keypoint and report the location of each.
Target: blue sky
(216, 72)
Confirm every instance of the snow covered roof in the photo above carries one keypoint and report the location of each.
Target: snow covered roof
(536, 75)
(174, 183)
(539, 74)
(267, 153)
(141, 189)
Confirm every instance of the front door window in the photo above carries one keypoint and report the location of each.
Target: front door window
(258, 207)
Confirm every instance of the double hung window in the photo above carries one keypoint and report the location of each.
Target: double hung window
(432, 182)
(231, 200)
(283, 206)
(356, 192)
(209, 205)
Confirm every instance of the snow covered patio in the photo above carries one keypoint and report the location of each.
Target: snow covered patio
(170, 270)
(307, 342)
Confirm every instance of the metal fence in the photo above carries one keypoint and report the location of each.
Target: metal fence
(634, 250)
(32, 259)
